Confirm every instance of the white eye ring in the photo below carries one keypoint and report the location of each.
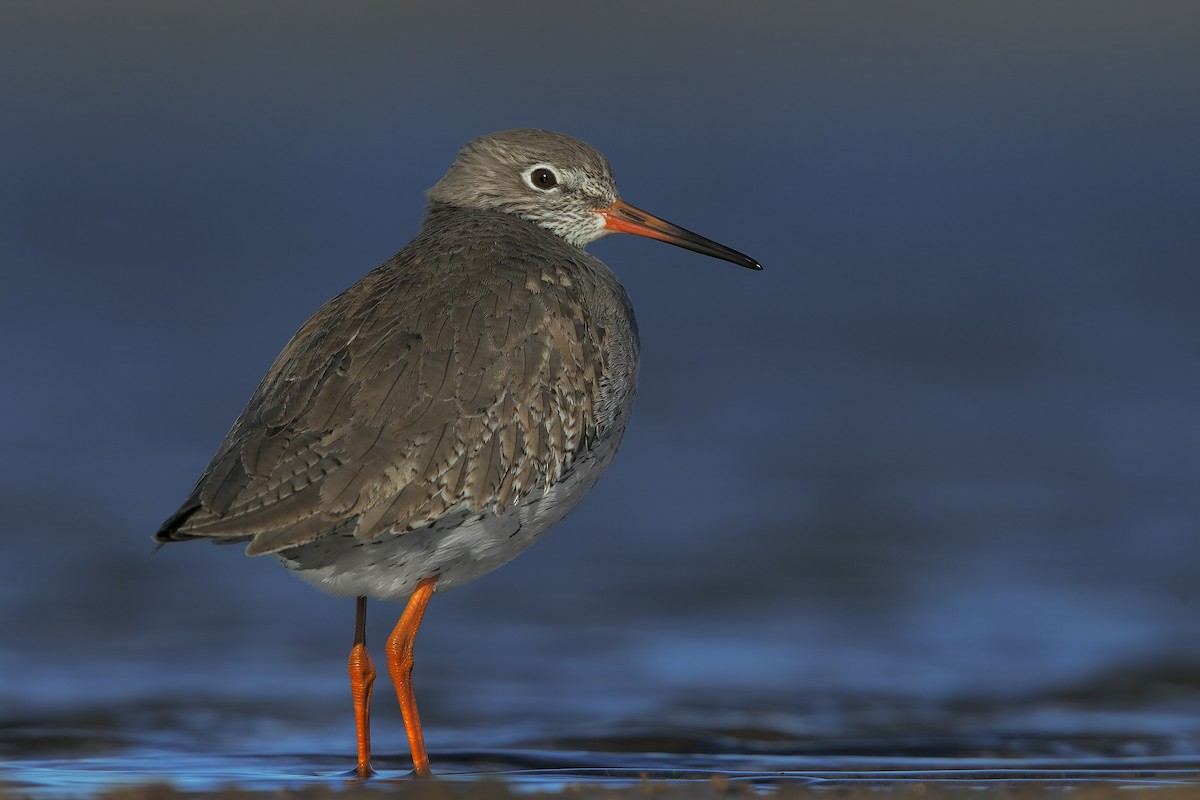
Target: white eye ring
(542, 177)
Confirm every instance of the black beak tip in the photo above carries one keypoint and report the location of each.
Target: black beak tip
(743, 260)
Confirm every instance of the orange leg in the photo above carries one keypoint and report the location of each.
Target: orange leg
(362, 678)
(400, 664)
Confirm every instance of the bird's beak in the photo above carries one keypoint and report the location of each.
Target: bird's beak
(621, 217)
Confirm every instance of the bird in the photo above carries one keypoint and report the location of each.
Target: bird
(436, 418)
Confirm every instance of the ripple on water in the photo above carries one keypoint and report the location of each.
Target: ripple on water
(879, 744)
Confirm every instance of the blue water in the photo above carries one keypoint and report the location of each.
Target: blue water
(941, 454)
(272, 745)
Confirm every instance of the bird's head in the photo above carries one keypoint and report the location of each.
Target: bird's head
(561, 184)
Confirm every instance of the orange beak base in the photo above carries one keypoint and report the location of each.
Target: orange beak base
(621, 217)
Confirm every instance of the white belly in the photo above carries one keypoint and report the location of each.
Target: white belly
(459, 547)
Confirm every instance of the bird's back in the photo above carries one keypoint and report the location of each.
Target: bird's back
(467, 372)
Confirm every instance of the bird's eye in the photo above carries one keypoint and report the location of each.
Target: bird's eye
(543, 178)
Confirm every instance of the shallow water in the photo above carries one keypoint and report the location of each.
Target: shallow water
(1053, 740)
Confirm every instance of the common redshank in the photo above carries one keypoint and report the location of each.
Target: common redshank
(436, 418)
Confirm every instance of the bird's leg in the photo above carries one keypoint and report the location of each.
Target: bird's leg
(400, 664)
(362, 678)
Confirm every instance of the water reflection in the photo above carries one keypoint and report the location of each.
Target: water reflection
(877, 743)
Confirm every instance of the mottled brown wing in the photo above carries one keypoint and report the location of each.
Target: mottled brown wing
(416, 391)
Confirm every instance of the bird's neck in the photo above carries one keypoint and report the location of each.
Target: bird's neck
(438, 211)
(443, 216)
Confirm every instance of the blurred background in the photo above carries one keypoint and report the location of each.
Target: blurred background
(943, 450)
